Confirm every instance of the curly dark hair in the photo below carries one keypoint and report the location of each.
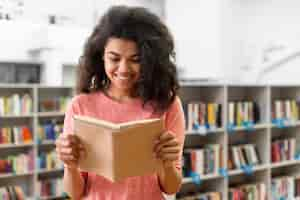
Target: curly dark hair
(158, 80)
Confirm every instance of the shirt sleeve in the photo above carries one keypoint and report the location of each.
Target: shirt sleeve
(72, 109)
(175, 123)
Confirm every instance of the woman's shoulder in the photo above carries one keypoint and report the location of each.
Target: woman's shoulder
(84, 102)
(176, 103)
(175, 106)
(85, 98)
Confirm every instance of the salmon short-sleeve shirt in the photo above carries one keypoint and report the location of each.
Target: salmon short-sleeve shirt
(100, 106)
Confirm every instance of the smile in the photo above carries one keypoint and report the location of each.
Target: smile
(123, 77)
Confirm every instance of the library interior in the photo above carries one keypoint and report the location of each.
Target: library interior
(237, 70)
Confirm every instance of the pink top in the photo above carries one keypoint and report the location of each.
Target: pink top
(100, 106)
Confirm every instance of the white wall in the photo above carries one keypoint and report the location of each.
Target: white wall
(264, 24)
(32, 30)
(155, 6)
(227, 39)
(231, 38)
(53, 45)
(196, 26)
(214, 39)
(15, 39)
(76, 12)
(61, 43)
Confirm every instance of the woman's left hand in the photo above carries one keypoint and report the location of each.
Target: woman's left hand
(167, 148)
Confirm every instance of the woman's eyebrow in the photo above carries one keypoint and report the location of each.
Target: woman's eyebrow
(116, 54)
(113, 53)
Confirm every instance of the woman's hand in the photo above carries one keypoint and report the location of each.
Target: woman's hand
(69, 149)
(167, 148)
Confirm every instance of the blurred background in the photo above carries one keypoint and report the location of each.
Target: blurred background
(230, 41)
(220, 42)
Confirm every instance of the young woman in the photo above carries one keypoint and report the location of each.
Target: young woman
(126, 73)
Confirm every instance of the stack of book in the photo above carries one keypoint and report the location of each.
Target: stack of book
(15, 135)
(49, 130)
(49, 161)
(202, 116)
(16, 104)
(242, 112)
(54, 104)
(285, 109)
(50, 187)
(283, 150)
(202, 161)
(242, 155)
(204, 196)
(21, 163)
(11, 192)
(248, 192)
(287, 187)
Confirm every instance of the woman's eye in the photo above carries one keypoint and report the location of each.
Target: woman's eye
(115, 59)
(136, 60)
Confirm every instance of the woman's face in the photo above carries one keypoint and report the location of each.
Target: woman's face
(122, 64)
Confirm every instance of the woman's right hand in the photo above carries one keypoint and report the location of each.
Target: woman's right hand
(69, 149)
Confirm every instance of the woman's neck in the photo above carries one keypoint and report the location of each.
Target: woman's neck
(121, 96)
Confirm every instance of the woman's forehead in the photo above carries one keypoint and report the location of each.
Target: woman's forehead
(121, 46)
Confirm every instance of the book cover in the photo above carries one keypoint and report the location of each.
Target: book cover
(118, 151)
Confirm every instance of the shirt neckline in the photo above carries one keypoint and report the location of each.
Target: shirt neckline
(132, 102)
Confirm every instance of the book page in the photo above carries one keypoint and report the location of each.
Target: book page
(98, 144)
(98, 122)
(137, 123)
(112, 125)
(133, 149)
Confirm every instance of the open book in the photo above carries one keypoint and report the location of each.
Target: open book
(117, 151)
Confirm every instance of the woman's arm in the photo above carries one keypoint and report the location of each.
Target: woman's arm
(73, 183)
(170, 179)
(69, 150)
(169, 149)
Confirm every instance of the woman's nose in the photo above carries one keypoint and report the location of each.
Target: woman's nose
(124, 66)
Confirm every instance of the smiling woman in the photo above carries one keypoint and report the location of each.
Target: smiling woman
(154, 45)
(126, 73)
(121, 61)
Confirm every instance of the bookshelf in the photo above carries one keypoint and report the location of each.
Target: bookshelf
(47, 107)
(20, 71)
(261, 134)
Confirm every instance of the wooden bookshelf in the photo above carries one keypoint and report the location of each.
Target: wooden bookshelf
(12, 175)
(53, 197)
(261, 134)
(29, 180)
(48, 171)
(50, 114)
(8, 146)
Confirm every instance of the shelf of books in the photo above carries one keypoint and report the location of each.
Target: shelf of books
(31, 117)
(242, 142)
